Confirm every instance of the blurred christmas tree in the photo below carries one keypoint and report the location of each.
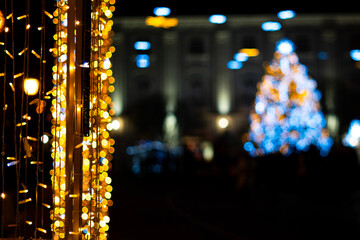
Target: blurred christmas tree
(286, 115)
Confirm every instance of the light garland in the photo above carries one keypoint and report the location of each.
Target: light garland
(58, 129)
(97, 147)
(27, 158)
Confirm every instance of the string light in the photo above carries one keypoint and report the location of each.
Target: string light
(96, 195)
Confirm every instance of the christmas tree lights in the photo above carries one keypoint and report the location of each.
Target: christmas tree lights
(352, 138)
(286, 115)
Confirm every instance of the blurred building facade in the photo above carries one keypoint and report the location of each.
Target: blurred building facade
(188, 69)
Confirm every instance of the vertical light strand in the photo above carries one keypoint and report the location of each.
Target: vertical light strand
(97, 147)
(97, 155)
(4, 108)
(58, 130)
(25, 101)
(42, 81)
(18, 133)
(40, 111)
(17, 214)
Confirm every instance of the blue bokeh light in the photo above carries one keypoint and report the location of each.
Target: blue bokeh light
(285, 46)
(217, 19)
(241, 57)
(142, 45)
(286, 14)
(271, 26)
(355, 54)
(142, 61)
(234, 64)
(162, 11)
(352, 138)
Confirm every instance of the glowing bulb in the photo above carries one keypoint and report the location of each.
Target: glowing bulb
(116, 124)
(31, 86)
(107, 64)
(223, 122)
(44, 139)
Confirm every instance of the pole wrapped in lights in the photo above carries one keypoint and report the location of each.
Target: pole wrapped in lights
(85, 189)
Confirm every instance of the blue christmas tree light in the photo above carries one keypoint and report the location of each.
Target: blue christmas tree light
(352, 138)
(286, 115)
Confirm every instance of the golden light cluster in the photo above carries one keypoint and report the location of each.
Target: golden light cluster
(58, 130)
(161, 22)
(2, 22)
(98, 146)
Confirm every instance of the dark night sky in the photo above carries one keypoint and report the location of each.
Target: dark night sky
(191, 7)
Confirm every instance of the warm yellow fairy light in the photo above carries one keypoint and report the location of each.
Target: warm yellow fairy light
(42, 185)
(31, 86)
(58, 130)
(2, 22)
(98, 147)
(25, 201)
(41, 230)
(46, 205)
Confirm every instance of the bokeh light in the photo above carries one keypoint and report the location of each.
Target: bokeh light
(286, 115)
(217, 19)
(97, 148)
(162, 11)
(286, 14)
(352, 138)
(31, 86)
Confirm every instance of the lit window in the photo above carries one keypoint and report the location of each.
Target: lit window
(142, 45)
(223, 122)
(217, 19)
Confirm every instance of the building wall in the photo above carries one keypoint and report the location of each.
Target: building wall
(188, 64)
